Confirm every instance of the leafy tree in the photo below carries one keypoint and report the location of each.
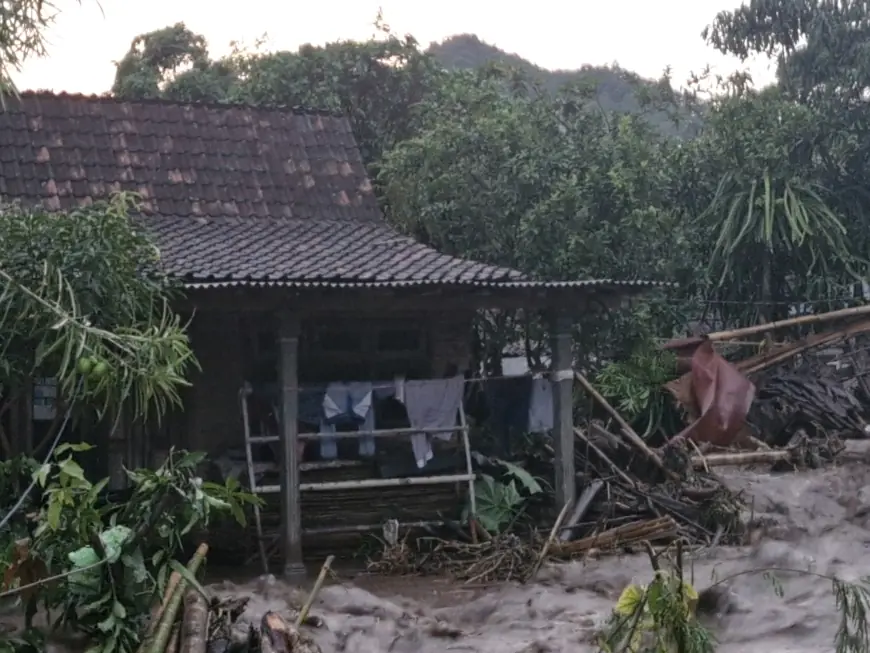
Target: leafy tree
(777, 233)
(549, 186)
(156, 59)
(376, 83)
(802, 142)
(83, 302)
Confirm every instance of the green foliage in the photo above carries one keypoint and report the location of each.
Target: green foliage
(497, 502)
(662, 617)
(83, 301)
(112, 560)
(657, 618)
(635, 385)
(156, 58)
(23, 24)
(500, 501)
(375, 83)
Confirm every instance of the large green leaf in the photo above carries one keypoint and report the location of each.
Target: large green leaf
(497, 503)
(527, 480)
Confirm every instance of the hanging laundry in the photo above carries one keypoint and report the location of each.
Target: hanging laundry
(508, 400)
(348, 403)
(311, 405)
(432, 404)
(390, 389)
(399, 387)
(541, 406)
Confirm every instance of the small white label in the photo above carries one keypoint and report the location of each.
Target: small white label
(562, 375)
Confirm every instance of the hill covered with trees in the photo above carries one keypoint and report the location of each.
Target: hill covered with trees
(613, 88)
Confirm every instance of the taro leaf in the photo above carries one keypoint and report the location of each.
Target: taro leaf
(113, 540)
(88, 579)
(134, 562)
(527, 480)
(497, 502)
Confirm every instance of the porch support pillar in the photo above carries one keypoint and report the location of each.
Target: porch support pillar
(563, 406)
(291, 507)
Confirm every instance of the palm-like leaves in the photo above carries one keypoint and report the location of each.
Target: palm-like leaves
(761, 225)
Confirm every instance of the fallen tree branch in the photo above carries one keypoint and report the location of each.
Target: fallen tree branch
(619, 472)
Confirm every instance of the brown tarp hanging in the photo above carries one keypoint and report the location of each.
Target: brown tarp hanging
(717, 395)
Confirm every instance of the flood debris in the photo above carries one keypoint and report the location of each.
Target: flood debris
(633, 490)
(212, 624)
(774, 393)
(504, 557)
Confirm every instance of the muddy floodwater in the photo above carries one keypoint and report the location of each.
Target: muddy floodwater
(819, 520)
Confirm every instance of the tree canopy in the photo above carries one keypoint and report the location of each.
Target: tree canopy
(759, 208)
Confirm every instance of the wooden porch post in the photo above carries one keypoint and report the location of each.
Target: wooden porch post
(291, 509)
(563, 406)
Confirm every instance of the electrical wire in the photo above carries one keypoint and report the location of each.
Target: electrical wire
(8, 516)
(51, 579)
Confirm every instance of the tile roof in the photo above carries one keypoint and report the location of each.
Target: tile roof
(298, 252)
(230, 192)
(185, 160)
(233, 194)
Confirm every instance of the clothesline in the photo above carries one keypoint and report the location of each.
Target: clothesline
(433, 406)
(388, 385)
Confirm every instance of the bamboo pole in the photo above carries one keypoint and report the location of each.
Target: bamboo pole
(321, 577)
(158, 609)
(166, 626)
(352, 435)
(621, 474)
(742, 458)
(583, 505)
(794, 321)
(629, 432)
(652, 529)
(369, 483)
(174, 638)
(548, 543)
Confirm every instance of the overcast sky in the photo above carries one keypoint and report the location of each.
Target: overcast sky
(641, 35)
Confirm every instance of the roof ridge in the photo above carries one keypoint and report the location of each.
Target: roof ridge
(113, 99)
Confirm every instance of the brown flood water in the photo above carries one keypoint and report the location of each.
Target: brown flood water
(821, 521)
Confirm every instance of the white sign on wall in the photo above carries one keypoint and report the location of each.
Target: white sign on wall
(44, 399)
